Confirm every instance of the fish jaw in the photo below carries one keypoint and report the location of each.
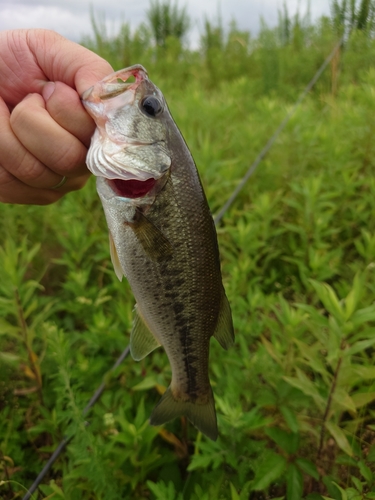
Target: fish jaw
(127, 144)
(111, 86)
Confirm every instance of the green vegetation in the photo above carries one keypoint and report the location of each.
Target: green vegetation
(296, 395)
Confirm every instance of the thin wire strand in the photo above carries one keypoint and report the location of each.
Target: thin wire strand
(278, 131)
(65, 441)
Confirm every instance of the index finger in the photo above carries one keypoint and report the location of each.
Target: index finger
(31, 58)
(68, 62)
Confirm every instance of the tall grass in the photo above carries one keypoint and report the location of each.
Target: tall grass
(295, 396)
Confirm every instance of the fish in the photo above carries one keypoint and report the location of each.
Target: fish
(162, 238)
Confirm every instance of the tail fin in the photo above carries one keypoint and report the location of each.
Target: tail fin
(202, 416)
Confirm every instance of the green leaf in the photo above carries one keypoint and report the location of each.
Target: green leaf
(147, 383)
(366, 472)
(234, 494)
(308, 467)
(329, 299)
(340, 438)
(200, 462)
(290, 418)
(343, 400)
(9, 357)
(344, 496)
(357, 483)
(294, 483)
(371, 454)
(359, 346)
(7, 329)
(363, 398)
(269, 470)
(287, 441)
(354, 296)
(363, 316)
(305, 385)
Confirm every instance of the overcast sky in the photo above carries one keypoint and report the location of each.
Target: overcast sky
(71, 18)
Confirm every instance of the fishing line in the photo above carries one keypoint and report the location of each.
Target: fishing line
(217, 219)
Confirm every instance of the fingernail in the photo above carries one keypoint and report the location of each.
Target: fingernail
(48, 90)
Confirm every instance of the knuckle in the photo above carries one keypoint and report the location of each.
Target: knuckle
(24, 113)
(71, 158)
(28, 169)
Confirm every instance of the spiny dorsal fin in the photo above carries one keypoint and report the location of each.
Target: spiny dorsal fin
(203, 416)
(115, 260)
(142, 341)
(153, 241)
(224, 333)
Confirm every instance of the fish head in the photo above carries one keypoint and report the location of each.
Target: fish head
(129, 147)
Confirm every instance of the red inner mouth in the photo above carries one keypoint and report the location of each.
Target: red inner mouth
(132, 188)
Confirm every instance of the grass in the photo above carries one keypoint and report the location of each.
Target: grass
(295, 396)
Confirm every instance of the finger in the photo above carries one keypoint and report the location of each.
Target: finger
(65, 107)
(18, 161)
(30, 58)
(14, 191)
(51, 144)
(66, 61)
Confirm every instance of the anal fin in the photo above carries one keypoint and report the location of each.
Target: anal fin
(142, 341)
(224, 332)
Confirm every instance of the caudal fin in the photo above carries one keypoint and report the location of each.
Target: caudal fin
(202, 416)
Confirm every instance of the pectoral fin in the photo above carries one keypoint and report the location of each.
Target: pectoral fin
(115, 260)
(142, 341)
(153, 241)
(224, 333)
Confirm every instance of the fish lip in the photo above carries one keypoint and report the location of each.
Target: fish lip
(137, 70)
(98, 91)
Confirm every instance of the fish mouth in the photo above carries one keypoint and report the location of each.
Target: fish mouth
(131, 188)
(114, 84)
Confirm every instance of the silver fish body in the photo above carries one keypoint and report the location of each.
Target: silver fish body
(162, 239)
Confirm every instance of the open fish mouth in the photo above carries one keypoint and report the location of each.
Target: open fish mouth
(114, 85)
(131, 188)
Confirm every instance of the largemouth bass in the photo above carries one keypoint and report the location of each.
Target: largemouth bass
(162, 238)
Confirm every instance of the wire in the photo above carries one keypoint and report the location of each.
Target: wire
(65, 441)
(278, 131)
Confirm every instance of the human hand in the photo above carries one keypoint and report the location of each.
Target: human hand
(44, 129)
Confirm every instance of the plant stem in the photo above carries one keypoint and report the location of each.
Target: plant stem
(25, 334)
(328, 407)
(2, 459)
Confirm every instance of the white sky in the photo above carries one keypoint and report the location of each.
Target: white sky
(71, 18)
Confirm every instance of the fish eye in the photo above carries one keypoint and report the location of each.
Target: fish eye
(151, 106)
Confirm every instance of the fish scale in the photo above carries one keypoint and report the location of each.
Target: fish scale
(164, 241)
